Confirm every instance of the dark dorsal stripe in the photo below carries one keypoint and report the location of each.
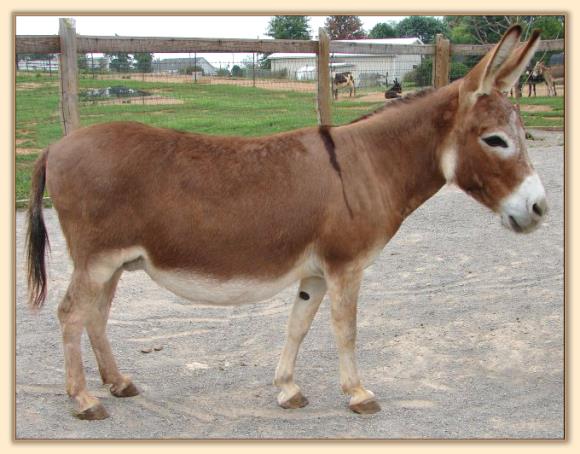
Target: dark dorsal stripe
(330, 147)
(331, 150)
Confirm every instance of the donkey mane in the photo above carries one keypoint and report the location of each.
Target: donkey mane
(394, 103)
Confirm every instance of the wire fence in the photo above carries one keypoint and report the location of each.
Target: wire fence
(37, 99)
(235, 93)
(191, 92)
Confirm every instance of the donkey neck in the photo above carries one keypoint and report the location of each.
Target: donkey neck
(403, 142)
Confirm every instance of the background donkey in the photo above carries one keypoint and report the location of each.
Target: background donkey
(550, 76)
(394, 91)
(229, 220)
(343, 80)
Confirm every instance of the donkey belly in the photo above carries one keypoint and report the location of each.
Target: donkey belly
(208, 290)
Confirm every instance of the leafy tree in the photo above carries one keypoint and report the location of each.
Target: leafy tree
(237, 71)
(121, 62)
(143, 62)
(490, 29)
(423, 27)
(383, 30)
(344, 27)
(552, 27)
(289, 27)
(285, 27)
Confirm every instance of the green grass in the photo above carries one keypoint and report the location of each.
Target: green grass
(24, 165)
(551, 118)
(204, 108)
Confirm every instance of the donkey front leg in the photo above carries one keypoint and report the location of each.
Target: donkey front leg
(310, 295)
(343, 291)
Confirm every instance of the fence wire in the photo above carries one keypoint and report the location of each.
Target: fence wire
(235, 94)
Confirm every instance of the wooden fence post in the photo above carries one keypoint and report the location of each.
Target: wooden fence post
(441, 62)
(69, 83)
(323, 90)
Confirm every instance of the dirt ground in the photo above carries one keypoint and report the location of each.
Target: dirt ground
(460, 336)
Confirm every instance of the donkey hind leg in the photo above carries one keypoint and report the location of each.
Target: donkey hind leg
(121, 386)
(310, 295)
(75, 310)
(343, 291)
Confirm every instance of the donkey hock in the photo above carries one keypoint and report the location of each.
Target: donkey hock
(227, 220)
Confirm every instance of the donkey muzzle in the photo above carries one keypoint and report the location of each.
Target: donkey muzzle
(525, 208)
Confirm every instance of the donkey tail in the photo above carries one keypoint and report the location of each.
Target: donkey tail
(37, 236)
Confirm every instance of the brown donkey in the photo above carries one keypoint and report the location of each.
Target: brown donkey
(550, 74)
(229, 220)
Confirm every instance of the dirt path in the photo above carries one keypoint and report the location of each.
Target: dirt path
(460, 336)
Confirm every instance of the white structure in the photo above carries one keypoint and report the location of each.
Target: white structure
(366, 69)
(175, 65)
(46, 65)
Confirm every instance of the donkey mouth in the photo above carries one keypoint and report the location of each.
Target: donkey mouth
(518, 226)
(514, 225)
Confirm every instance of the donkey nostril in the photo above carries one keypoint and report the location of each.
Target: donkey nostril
(539, 208)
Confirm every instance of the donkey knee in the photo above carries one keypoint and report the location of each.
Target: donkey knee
(64, 307)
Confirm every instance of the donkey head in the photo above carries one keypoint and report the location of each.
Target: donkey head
(538, 70)
(397, 86)
(486, 154)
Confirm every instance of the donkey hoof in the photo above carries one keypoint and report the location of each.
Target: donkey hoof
(366, 407)
(296, 401)
(94, 413)
(130, 390)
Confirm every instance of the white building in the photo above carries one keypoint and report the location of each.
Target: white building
(367, 69)
(46, 65)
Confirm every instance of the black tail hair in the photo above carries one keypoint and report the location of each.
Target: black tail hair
(37, 236)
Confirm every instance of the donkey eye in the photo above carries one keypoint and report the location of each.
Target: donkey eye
(495, 141)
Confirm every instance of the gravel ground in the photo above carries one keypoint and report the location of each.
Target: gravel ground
(460, 336)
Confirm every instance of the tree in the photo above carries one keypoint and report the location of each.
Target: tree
(285, 27)
(143, 62)
(121, 62)
(423, 27)
(552, 27)
(490, 29)
(237, 71)
(289, 27)
(383, 30)
(344, 27)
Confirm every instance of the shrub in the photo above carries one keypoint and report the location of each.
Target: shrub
(237, 71)
(421, 75)
(189, 70)
(458, 70)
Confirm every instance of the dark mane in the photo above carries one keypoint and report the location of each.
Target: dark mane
(393, 103)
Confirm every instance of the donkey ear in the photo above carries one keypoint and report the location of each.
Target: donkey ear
(516, 64)
(480, 80)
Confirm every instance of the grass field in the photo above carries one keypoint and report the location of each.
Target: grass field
(204, 108)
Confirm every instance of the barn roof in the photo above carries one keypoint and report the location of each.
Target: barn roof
(404, 41)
